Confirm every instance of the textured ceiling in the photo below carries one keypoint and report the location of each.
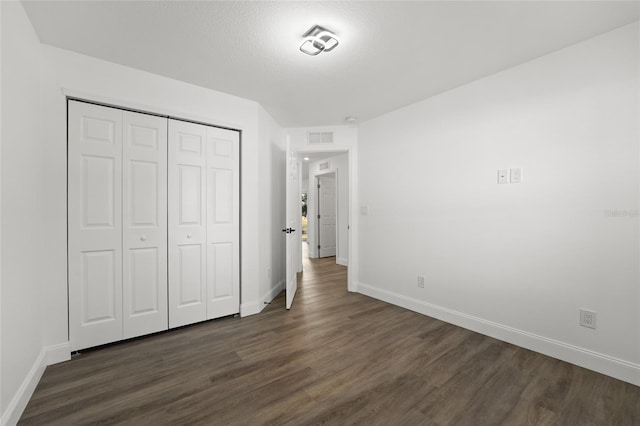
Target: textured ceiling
(391, 53)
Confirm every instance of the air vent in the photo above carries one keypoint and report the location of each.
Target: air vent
(320, 137)
(324, 166)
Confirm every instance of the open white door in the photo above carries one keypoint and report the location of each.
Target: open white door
(292, 213)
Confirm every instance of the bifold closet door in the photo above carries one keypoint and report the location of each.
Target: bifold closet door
(144, 213)
(117, 208)
(223, 222)
(187, 223)
(95, 224)
(204, 222)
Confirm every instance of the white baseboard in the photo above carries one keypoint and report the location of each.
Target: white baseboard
(20, 400)
(269, 296)
(250, 308)
(342, 261)
(605, 364)
(58, 353)
(256, 307)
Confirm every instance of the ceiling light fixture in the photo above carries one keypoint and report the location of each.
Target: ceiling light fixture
(317, 40)
(306, 158)
(351, 119)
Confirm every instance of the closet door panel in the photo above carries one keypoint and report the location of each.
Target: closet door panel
(144, 214)
(223, 227)
(187, 224)
(94, 224)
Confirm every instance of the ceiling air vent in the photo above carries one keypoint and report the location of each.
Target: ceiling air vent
(320, 137)
(324, 166)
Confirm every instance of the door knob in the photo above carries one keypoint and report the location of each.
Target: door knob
(189, 235)
(143, 238)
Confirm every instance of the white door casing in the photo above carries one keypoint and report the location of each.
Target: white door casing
(94, 224)
(186, 223)
(144, 213)
(327, 215)
(292, 216)
(223, 222)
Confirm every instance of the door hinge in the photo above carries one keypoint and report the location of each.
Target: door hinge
(318, 186)
(318, 246)
(318, 216)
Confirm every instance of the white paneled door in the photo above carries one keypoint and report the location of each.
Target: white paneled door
(223, 236)
(204, 222)
(187, 226)
(95, 224)
(144, 213)
(153, 222)
(327, 215)
(117, 209)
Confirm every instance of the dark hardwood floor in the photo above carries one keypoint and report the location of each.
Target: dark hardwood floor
(335, 358)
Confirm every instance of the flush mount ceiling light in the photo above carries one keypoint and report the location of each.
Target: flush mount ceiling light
(317, 40)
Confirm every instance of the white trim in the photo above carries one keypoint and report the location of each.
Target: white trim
(272, 294)
(58, 353)
(21, 398)
(602, 363)
(251, 308)
(133, 105)
(342, 261)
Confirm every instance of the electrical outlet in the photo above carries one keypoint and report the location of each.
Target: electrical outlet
(588, 318)
(420, 281)
(515, 175)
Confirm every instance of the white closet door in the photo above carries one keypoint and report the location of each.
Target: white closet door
(187, 223)
(95, 224)
(223, 227)
(144, 212)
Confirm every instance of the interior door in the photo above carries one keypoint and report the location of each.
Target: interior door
(94, 224)
(144, 214)
(187, 223)
(327, 215)
(223, 222)
(292, 214)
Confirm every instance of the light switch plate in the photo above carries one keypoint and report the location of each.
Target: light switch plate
(364, 210)
(516, 175)
(503, 176)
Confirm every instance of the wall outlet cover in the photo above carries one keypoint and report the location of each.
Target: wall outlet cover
(588, 318)
(515, 175)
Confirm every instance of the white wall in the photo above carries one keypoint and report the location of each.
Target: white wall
(516, 261)
(22, 212)
(271, 209)
(340, 165)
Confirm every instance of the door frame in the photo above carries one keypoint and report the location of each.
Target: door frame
(352, 238)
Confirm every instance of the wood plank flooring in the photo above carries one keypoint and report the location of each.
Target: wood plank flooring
(335, 358)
